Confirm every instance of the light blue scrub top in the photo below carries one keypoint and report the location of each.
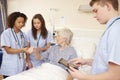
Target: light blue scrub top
(33, 43)
(109, 47)
(12, 63)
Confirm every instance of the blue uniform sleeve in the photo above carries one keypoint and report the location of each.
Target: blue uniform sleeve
(5, 39)
(73, 55)
(114, 44)
(45, 55)
(27, 35)
(50, 37)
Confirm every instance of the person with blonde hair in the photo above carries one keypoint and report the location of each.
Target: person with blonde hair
(63, 49)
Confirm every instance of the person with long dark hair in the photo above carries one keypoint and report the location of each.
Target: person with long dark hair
(39, 38)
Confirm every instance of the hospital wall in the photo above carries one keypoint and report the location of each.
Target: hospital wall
(57, 13)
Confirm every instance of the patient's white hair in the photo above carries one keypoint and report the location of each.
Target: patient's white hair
(66, 33)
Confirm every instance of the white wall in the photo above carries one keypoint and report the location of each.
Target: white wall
(63, 8)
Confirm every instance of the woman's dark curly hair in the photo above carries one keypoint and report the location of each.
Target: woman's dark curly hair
(12, 18)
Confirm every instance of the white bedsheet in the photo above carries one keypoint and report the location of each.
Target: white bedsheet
(44, 72)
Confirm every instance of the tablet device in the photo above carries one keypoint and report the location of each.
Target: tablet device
(65, 63)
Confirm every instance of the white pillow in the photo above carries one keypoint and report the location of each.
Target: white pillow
(85, 47)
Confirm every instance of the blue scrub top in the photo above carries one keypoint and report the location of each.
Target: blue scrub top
(33, 43)
(109, 47)
(12, 63)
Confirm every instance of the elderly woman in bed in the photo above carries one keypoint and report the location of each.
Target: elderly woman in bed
(61, 50)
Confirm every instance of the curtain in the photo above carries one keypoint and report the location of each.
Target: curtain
(3, 14)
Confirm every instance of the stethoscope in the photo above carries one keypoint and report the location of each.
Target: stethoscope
(109, 26)
(18, 41)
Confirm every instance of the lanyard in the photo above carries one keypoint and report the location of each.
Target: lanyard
(111, 25)
(38, 40)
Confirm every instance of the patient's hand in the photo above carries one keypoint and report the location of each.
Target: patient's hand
(30, 50)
